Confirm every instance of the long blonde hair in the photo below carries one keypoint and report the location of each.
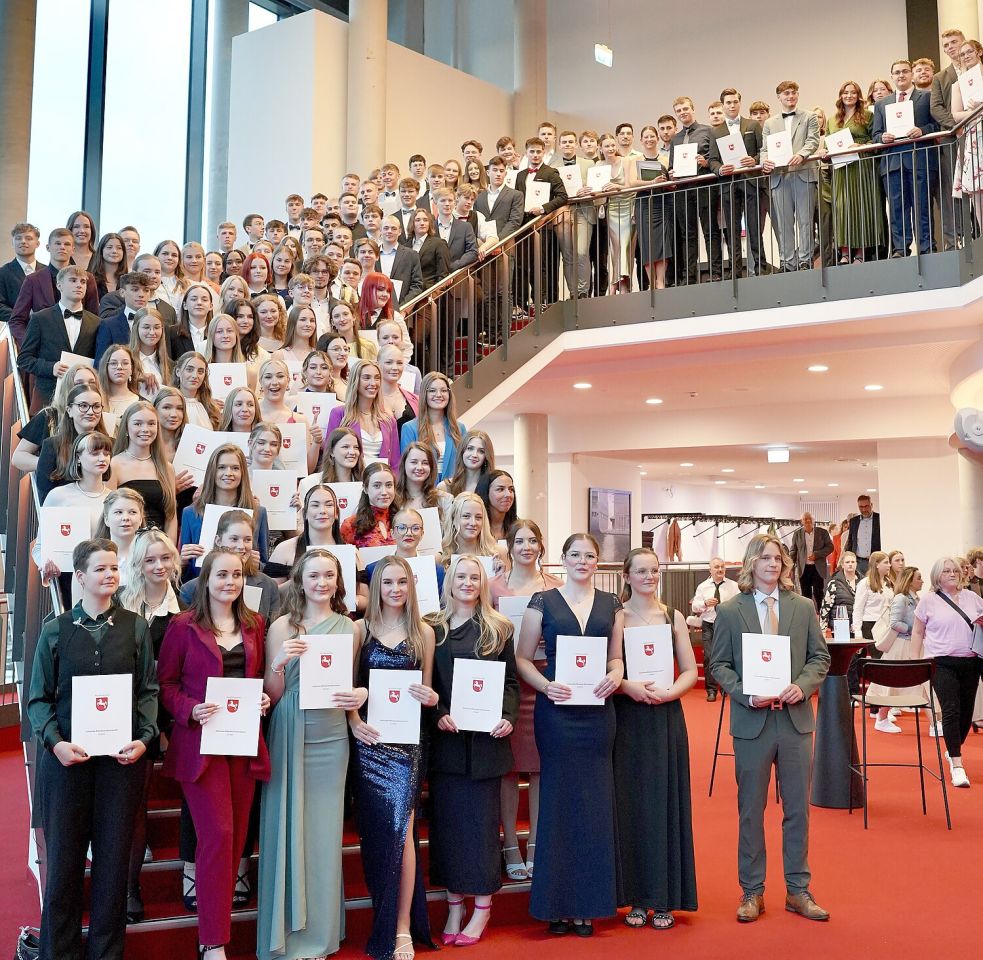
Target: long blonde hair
(874, 579)
(415, 637)
(161, 354)
(158, 456)
(134, 593)
(294, 604)
(487, 544)
(494, 630)
(755, 549)
(237, 354)
(377, 411)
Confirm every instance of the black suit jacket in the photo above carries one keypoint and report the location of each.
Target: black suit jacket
(435, 261)
(702, 135)
(752, 135)
(112, 303)
(178, 342)
(406, 267)
(44, 342)
(462, 244)
(558, 192)
(875, 533)
(507, 212)
(11, 280)
(404, 237)
(38, 292)
(901, 155)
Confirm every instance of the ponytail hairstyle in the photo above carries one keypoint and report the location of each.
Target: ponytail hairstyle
(626, 569)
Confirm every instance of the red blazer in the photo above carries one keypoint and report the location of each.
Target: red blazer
(189, 655)
(38, 293)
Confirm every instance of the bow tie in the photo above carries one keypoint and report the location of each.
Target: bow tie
(534, 169)
(791, 114)
(389, 193)
(71, 313)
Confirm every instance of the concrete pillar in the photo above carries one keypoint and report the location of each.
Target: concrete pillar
(971, 499)
(367, 38)
(529, 100)
(960, 15)
(231, 19)
(16, 88)
(531, 466)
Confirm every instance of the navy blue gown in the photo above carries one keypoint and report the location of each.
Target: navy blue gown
(575, 843)
(387, 780)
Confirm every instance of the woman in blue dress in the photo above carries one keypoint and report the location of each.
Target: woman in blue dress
(574, 881)
(387, 776)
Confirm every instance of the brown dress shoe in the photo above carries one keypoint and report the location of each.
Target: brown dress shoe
(804, 905)
(752, 906)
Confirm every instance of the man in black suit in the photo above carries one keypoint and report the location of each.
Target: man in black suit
(136, 290)
(696, 205)
(409, 192)
(26, 238)
(62, 328)
(435, 182)
(399, 262)
(740, 200)
(864, 537)
(38, 291)
(149, 265)
(499, 202)
(540, 172)
(457, 234)
(907, 167)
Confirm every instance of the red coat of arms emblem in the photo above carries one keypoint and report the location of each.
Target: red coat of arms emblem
(581, 660)
(477, 685)
(274, 491)
(286, 442)
(227, 380)
(232, 704)
(342, 503)
(199, 448)
(766, 656)
(66, 529)
(649, 649)
(394, 696)
(326, 660)
(102, 703)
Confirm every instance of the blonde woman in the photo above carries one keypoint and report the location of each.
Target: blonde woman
(222, 341)
(466, 530)
(272, 318)
(119, 378)
(436, 424)
(190, 376)
(148, 344)
(466, 767)
(240, 412)
(274, 385)
(366, 415)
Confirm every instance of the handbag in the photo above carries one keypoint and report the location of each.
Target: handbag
(882, 632)
(977, 644)
(28, 944)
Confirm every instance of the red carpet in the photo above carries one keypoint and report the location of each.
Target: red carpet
(900, 889)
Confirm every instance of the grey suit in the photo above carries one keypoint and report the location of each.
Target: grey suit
(764, 737)
(794, 190)
(822, 547)
(942, 97)
(574, 234)
(507, 211)
(941, 107)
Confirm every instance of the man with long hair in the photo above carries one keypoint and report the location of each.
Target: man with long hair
(771, 730)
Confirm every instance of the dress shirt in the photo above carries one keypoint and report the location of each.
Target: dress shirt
(322, 313)
(902, 96)
(28, 268)
(492, 195)
(444, 230)
(406, 218)
(199, 337)
(762, 608)
(810, 545)
(389, 202)
(386, 260)
(487, 229)
(865, 530)
(418, 243)
(707, 591)
(686, 131)
(734, 126)
(73, 325)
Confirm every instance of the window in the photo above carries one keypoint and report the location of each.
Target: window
(61, 56)
(260, 17)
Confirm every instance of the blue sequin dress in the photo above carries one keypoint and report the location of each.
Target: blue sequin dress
(387, 781)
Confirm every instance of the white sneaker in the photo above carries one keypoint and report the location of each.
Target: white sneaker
(887, 726)
(935, 730)
(894, 712)
(959, 778)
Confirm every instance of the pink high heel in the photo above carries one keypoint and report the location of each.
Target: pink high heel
(450, 939)
(463, 940)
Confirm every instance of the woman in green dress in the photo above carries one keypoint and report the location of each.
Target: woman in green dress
(858, 203)
(301, 895)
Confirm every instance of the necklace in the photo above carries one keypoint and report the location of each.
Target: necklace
(391, 627)
(91, 496)
(641, 616)
(133, 456)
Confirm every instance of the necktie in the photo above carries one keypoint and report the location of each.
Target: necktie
(73, 313)
(686, 135)
(771, 619)
(901, 97)
(716, 592)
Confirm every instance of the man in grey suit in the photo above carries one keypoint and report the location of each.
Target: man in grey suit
(771, 731)
(941, 106)
(499, 202)
(576, 229)
(794, 190)
(811, 545)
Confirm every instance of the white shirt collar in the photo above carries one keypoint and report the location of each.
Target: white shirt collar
(759, 597)
(28, 268)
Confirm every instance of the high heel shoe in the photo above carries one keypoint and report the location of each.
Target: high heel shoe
(463, 940)
(190, 894)
(449, 939)
(514, 871)
(530, 860)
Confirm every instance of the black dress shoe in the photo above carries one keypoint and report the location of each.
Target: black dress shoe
(711, 696)
(585, 929)
(134, 906)
(559, 927)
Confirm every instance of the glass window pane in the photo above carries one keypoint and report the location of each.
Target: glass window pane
(61, 55)
(260, 17)
(146, 135)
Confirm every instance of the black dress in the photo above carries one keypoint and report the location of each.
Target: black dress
(465, 779)
(575, 857)
(653, 812)
(153, 501)
(655, 219)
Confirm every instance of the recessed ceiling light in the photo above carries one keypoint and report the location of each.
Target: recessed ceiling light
(686, 464)
(582, 386)
(726, 469)
(803, 491)
(872, 489)
(778, 454)
(719, 483)
(873, 387)
(798, 479)
(759, 486)
(654, 401)
(643, 473)
(832, 484)
(818, 368)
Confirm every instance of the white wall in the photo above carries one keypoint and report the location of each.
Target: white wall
(663, 50)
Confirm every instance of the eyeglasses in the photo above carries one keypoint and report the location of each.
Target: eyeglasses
(119, 364)
(402, 528)
(89, 407)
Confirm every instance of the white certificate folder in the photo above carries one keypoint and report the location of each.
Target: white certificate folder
(392, 711)
(581, 663)
(233, 731)
(325, 669)
(102, 713)
(649, 654)
(767, 664)
(477, 694)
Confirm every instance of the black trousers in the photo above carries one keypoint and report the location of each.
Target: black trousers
(708, 678)
(812, 585)
(93, 802)
(955, 683)
(741, 201)
(598, 253)
(697, 212)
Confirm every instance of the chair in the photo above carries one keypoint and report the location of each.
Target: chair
(903, 675)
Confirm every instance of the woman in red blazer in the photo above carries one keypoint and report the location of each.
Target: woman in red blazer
(217, 637)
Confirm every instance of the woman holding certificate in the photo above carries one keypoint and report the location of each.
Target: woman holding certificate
(470, 752)
(217, 637)
(655, 213)
(301, 895)
(387, 775)
(582, 630)
(657, 870)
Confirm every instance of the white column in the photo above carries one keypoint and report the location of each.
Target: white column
(971, 499)
(366, 102)
(960, 15)
(529, 99)
(16, 88)
(531, 466)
